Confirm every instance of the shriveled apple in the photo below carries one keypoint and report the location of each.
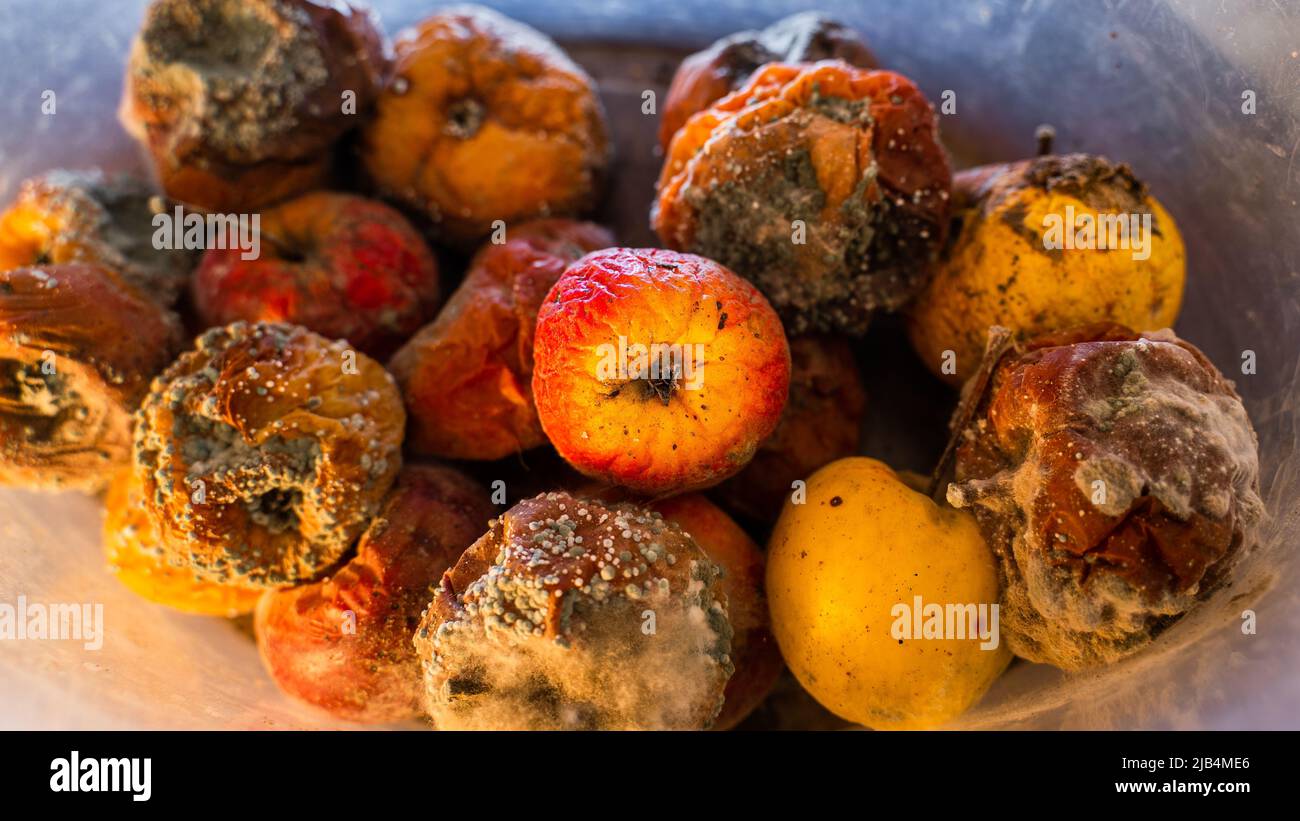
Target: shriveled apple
(657, 371)
(344, 644)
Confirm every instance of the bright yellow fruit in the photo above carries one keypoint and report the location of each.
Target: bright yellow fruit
(997, 269)
(840, 567)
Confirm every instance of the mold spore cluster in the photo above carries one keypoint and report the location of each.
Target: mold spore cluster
(573, 614)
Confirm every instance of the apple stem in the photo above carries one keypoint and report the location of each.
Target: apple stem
(1045, 134)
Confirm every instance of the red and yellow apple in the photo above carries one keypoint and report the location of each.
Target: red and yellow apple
(656, 370)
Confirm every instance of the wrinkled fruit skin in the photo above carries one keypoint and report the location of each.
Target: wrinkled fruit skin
(344, 644)
(658, 431)
(236, 129)
(996, 269)
(573, 614)
(839, 565)
(134, 553)
(466, 377)
(341, 265)
(707, 76)
(78, 347)
(822, 422)
(84, 216)
(264, 451)
(824, 184)
(1115, 475)
(485, 119)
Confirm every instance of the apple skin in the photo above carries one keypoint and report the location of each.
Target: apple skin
(341, 265)
(822, 422)
(668, 436)
(708, 75)
(466, 377)
(363, 667)
(861, 544)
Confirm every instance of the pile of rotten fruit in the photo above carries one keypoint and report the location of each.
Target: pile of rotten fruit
(512, 508)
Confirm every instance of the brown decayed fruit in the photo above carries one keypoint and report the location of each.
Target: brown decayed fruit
(467, 376)
(485, 119)
(825, 184)
(657, 371)
(344, 643)
(709, 75)
(134, 553)
(239, 102)
(1115, 475)
(822, 422)
(343, 266)
(264, 451)
(83, 216)
(573, 614)
(77, 350)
